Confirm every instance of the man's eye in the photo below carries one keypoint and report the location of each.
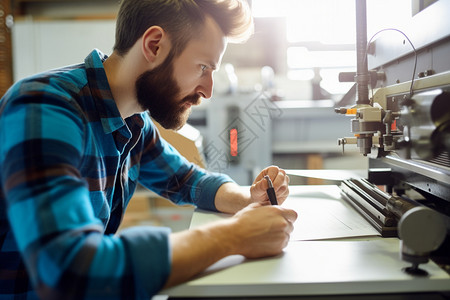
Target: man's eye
(203, 67)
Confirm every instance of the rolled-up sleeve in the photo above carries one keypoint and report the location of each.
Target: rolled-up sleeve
(149, 250)
(166, 172)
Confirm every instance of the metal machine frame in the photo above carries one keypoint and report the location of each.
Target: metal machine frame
(404, 128)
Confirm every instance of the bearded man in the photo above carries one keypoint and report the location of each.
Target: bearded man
(75, 141)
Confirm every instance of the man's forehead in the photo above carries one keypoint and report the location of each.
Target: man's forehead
(210, 43)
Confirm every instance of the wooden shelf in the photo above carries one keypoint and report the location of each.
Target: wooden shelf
(28, 7)
(6, 73)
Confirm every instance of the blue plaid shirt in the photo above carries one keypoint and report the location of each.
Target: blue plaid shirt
(69, 165)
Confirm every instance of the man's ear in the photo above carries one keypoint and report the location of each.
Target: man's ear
(155, 44)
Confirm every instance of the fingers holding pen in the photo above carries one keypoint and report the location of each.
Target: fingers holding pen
(281, 186)
(280, 181)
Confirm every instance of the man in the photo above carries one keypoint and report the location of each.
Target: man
(75, 141)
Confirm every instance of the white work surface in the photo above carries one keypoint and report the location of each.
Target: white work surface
(311, 264)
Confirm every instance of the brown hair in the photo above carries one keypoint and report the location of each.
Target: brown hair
(181, 19)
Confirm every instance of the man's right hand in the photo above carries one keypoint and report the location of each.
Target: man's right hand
(255, 231)
(262, 230)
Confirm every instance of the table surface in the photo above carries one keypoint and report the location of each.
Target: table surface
(363, 265)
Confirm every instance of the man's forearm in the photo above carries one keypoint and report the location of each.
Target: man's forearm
(231, 197)
(196, 249)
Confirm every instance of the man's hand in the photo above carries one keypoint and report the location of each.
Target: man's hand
(280, 184)
(230, 198)
(255, 231)
(263, 230)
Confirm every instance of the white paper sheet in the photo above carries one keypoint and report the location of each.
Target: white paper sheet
(326, 216)
(322, 214)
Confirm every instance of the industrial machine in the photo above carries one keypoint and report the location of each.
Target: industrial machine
(401, 121)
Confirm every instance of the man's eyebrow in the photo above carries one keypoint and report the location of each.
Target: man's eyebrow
(213, 66)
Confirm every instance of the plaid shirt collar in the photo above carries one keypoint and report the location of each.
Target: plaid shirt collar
(98, 83)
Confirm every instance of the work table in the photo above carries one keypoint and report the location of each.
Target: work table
(362, 264)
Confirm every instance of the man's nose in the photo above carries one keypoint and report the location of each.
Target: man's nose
(205, 88)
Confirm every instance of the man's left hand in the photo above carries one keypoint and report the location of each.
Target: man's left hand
(280, 182)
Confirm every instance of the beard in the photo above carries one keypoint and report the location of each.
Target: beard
(157, 92)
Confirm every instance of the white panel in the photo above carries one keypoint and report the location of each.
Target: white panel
(23, 46)
(43, 45)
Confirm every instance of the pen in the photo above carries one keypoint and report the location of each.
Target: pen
(271, 191)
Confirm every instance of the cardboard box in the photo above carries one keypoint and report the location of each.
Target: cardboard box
(142, 209)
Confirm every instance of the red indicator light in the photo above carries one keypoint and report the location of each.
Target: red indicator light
(233, 142)
(394, 125)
